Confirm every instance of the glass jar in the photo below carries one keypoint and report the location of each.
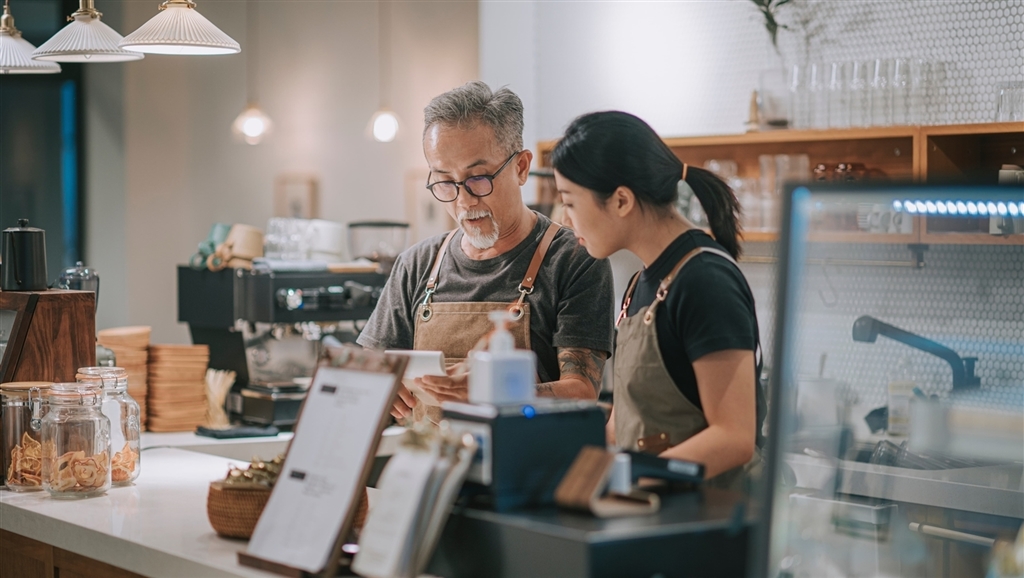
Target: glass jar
(123, 412)
(76, 442)
(22, 408)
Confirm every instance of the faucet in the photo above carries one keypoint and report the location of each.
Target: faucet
(866, 329)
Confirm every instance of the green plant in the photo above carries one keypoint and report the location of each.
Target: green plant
(769, 9)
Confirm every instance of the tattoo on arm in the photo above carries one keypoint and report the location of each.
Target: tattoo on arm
(545, 390)
(584, 364)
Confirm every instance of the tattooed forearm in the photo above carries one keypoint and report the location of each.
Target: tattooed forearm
(586, 365)
(546, 390)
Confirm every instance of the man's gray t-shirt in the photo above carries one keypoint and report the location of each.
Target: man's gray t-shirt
(571, 304)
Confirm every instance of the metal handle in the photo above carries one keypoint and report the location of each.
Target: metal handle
(37, 408)
(938, 532)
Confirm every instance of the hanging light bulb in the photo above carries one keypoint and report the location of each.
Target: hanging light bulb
(252, 124)
(16, 52)
(85, 39)
(384, 122)
(180, 29)
(384, 125)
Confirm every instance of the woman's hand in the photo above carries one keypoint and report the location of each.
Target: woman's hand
(453, 387)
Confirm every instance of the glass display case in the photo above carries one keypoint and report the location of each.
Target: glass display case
(897, 388)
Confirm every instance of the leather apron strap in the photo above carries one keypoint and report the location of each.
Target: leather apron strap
(525, 287)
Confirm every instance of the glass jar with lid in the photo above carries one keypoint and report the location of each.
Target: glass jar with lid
(22, 407)
(123, 412)
(76, 442)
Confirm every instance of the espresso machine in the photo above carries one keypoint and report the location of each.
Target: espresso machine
(267, 326)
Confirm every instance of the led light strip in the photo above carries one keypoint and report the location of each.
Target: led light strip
(965, 208)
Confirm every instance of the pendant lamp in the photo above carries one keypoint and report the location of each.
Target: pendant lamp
(16, 52)
(384, 122)
(252, 124)
(85, 39)
(180, 29)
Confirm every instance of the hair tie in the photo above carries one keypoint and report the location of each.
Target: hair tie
(685, 167)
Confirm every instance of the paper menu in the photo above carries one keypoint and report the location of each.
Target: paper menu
(323, 471)
(383, 547)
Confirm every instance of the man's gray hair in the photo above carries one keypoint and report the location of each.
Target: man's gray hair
(473, 103)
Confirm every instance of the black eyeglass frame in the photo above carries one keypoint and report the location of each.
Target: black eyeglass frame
(488, 178)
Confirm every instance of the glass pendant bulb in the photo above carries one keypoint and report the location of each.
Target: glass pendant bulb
(16, 52)
(85, 39)
(252, 124)
(180, 29)
(384, 125)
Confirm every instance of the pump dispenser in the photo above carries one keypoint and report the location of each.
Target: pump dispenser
(502, 374)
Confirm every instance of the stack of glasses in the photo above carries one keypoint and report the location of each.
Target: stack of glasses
(879, 92)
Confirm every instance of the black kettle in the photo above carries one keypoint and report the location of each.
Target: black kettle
(24, 258)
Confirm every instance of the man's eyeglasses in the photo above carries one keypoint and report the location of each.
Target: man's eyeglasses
(478, 186)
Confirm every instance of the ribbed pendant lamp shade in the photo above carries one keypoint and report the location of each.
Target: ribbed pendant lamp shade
(16, 52)
(16, 57)
(85, 39)
(179, 29)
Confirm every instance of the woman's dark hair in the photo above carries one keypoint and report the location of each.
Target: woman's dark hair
(602, 151)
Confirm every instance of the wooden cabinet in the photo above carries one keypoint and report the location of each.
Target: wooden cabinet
(22, 557)
(926, 154)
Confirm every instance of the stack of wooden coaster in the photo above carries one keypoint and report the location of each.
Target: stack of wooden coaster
(131, 351)
(177, 387)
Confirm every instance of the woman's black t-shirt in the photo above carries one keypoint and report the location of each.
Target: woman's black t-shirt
(709, 308)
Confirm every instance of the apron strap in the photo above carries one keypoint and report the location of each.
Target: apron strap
(432, 280)
(627, 298)
(662, 293)
(526, 286)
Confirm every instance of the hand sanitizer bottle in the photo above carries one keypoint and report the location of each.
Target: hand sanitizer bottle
(502, 374)
(901, 389)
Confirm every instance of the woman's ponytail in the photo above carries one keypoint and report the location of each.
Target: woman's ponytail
(719, 204)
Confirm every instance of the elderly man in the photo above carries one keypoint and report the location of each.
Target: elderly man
(502, 256)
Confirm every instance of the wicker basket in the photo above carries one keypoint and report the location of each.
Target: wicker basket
(234, 509)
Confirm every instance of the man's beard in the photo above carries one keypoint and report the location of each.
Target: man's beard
(476, 237)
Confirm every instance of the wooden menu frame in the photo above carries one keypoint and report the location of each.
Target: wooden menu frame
(353, 358)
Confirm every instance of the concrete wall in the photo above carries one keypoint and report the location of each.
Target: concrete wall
(167, 166)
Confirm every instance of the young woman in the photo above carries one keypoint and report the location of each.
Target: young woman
(685, 362)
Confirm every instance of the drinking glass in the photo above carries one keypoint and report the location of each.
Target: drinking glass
(937, 93)
(1009, 101)
(838, 95)
(900, 89)
(919, 87)
(860, 95)
(818, 85)
(881, 92)
(799, 97)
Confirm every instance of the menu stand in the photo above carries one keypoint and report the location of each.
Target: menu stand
(350, 396)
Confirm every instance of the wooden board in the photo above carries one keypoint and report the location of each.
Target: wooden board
(52, 335)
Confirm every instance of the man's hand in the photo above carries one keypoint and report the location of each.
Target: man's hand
(404, 403)
(454, 387)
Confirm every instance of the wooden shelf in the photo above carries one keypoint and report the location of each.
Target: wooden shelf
(919, 153)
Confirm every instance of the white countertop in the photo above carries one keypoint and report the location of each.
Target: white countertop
(158, 526)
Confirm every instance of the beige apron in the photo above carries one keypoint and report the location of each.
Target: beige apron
(455, 327)
(651, 414)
